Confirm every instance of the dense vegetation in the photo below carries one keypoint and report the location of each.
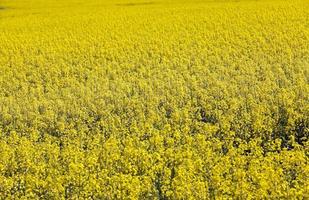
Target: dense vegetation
(155, 99)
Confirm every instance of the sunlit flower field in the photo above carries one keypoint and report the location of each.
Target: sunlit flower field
(158, 99)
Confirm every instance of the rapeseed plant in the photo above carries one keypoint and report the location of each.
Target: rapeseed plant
(154, 99)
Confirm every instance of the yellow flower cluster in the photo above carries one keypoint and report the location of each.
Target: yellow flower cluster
(161, 99)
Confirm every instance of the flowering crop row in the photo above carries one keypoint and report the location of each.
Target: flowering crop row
(154, 99)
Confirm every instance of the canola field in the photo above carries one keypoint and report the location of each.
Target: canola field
(158, 99)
